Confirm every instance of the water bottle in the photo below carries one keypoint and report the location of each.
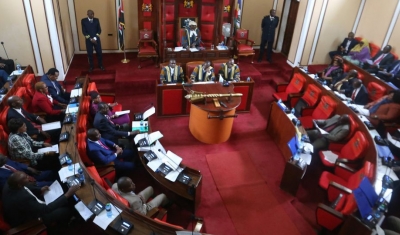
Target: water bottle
(18, 67)
(279, 101)
(141, 126)
(292, 111)
(324, 82)
(248, 79)
(81, 176)
(146, 128)
(69, 163)
(108, 210)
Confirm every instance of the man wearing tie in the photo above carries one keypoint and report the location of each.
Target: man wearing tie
(103, 152)
(91, 30)
(172, 73)
(54, 88)
(268, 26)
(346, 46)
(380, 61)
(392, 74)
(360, 94)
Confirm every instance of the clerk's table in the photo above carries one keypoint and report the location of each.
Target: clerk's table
(209, 123)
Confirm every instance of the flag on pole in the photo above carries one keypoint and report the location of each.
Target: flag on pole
(121, 24)
(238, 13)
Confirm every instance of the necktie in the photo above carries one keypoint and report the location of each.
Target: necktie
(34, 124)
(379, 59)
(102, 145)
(58, 90)
(31, 179)
(353, 96)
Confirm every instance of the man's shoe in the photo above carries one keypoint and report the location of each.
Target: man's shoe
(102, 68)
(90, 69)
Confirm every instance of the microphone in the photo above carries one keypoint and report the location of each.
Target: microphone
(2, 43)
(63, 157)
(95, 206)
(176, 165)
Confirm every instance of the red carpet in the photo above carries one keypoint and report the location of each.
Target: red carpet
(250, 203)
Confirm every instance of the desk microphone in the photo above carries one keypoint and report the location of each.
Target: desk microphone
(63, 157)
(2, 43)
(159, 150)
(95, 206)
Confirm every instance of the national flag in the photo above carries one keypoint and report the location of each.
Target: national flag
(121, 24)
(238, 13)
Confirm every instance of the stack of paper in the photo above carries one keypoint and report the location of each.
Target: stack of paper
(48, 149)
(193, 49)
(119, 113)
(178, 49)
(54, 192)
(51, 126)
(76, 92)
(171, 160)
(222, 47)
(64, 173)
(102, 220)
(149, 112)
(146, 139)
(83, 210)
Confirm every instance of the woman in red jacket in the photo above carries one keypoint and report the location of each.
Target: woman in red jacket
(43, 102)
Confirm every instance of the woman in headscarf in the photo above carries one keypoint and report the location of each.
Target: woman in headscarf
(333, 72)
(360, 53)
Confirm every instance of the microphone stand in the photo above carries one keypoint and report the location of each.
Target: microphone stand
(2, 43)
(95, 206)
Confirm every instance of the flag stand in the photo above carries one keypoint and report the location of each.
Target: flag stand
(125, 61)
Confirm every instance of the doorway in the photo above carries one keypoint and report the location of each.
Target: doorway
(291, 22)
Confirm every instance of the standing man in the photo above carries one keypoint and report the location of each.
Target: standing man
(91, 30)
(268, 26)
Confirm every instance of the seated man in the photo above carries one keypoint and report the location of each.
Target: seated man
(344, 84)
(20, 147)
(36, 178)
(385, 111)
(96, 99)
(172, 73)
(55, 89)
(230, 71)
(3, 78)
(359, 95)
(346, 46)
(125, 187)
(391, 74)
(380, 61)
(338, 129)
(103, 152)
(43, 102)
(192, 37)
(21, 205)
(32, 122)
(7, 65)
(203, 73)
(107, 127)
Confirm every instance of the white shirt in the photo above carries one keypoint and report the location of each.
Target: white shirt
(192, 32)
(50, 98)
(347, 45)
(20, 111)
(172, 71)
(37, 199)
(271, 18)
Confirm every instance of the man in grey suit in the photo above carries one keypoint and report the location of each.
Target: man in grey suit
(337, 128)
(125, 187)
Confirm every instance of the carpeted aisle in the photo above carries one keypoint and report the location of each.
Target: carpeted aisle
(250, 203)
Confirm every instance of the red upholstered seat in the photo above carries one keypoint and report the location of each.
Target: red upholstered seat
(118, 197)
(85, 105)
(22, 92)
(352, 150)
(207, 34)
(82, 123)
(324, 110)
(296, 85)
(29, 83)
(168, 224)
(3, 117)
(345, 68)
(95, 175)
(217, 64)
(147, 46)
(374, 49)
(91, 87)
(243, 45)
(311, 95)
(360, 76)
(375, 91)
(3, 141)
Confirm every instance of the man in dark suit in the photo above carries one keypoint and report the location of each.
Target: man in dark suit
(391, 74)
(54, 88)
(346, 46)
(32, 122)
(91, 30)
(103, 152)
(268, 26)
(359, 95)
(38, 178)
(107, 127)
(337, 128)
(380, 61)
(20, 203)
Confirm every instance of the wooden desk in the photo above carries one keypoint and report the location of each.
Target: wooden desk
(171, 98)
(208, 123)
(207, 54)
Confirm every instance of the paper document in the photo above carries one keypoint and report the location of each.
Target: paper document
(178, 49)
(171, 159)
(16, 72)
(330, 156)
(102, 219)
(306, 157)
(363, 111)
(221, 79)
(173, 175)
(76, 92)
(48, 149)
(55, 191)
(51, 126)
(222, 48)
(322, 131)
(155, 164)
(151, 138)
(308, 148)
(193, 49)
(154, 147)
(327, 88)
(149, 112)
(64, 173)
(122, 112)
(83, 210)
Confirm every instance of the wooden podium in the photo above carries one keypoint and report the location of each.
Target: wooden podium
(211, 124)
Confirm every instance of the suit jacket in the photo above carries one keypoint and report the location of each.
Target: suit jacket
(336, 134)
(107, 129)
(41, 103)
(5, 173)
(134, 200)
(386, 112)
(362, 96)
(268, 28)
(19, 206)
(53, 91)
(385, 62)
(100, 155)
(31, 130)
(91, 30)
(352, 44)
